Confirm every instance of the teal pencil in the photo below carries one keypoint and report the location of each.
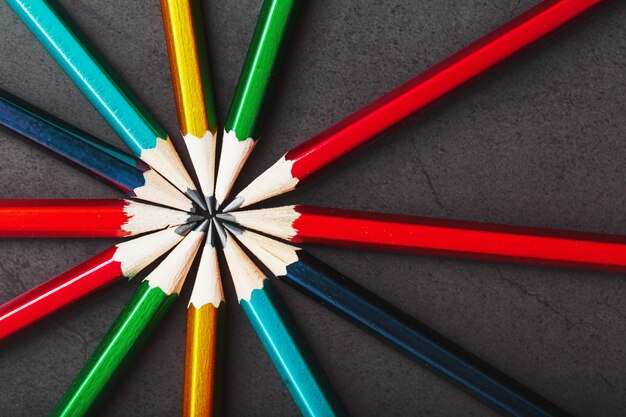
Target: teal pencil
(280, 337)
(105, 90)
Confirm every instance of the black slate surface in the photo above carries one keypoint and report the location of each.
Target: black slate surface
(538, 141)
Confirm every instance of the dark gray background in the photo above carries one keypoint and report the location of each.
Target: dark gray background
(538, 141)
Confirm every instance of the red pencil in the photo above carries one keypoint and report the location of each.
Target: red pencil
(360, 127)
(123, 260)
(454, 238)
(85, 218)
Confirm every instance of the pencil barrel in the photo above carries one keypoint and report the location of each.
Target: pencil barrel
(290, 354)
(203, 355)
(424, 345)
(115, 352)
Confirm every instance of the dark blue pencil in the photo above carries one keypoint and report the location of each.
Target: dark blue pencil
(125, 172)
(337, 292)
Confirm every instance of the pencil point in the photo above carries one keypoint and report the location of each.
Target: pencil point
(184, 229)
(210, 202)
(220, 232)
(193, 218)
(226, 217)
(235, 230)
(196, 198)
(211, 234)
(234, 205)
(202, 227)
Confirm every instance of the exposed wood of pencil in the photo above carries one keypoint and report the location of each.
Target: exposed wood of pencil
(433, 236)
(85, 218)
(184, 32)
(245, 116)
(344, 296)
(123, 260)
(205, 337)
(130, 331)
(363, 125)
(106, 91)
(280, 337)
(117, 168)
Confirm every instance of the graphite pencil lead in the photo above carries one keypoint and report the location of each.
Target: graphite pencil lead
(227, 217)
(234, 205)
(184, 229)
(211, 234)
(221, 233)
(211, 205)
(195, 196)
(235, 230)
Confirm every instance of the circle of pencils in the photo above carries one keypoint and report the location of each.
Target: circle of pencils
(175, 217)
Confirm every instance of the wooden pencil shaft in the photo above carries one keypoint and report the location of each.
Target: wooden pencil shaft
(203, 357)
(58, 292)
(117, 349)
(116, 167)
(253, 87)
(339, 293)
(290, 354)
(83, 218)
(427, 87)
(454, 238)
(184, 33)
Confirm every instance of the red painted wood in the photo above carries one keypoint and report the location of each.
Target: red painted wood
(460, 239)
(62, 218)
(362, 126)
(58, 292)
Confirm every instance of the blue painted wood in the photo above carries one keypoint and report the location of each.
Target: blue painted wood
(423, 344)
(105, 161)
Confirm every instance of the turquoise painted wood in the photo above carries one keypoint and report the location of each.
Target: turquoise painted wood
(290, 354)
(92, 75)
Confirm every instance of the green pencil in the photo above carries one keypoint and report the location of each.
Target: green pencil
(131, 329)
(243, 124)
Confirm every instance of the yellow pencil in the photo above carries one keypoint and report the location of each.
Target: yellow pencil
(182, 21)
(205, 317)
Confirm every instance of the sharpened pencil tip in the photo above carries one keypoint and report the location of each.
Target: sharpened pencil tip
(221, 233)
(235, 230)
(184, 229)
(226, 217)
(202, 227)
(233, 205)
(211, 233)
(210, 202)
(194, 218)
(195, 196)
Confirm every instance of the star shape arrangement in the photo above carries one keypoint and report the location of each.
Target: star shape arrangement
(231, 219)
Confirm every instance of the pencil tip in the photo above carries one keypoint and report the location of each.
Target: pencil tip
(235, 230)
(234, 205)
(210, 202)
(195, 196)
(193, 218)
(211, 233)
(226, 217)
(202, 227)
(221, 233)
(184, 229)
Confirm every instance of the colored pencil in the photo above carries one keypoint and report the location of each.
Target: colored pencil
(342, 295)
(128, 174)
(205, 336)
(243, 124)
(279, 335)
(123, 260)
(131, 330)
(184, 33)
(427, 235)
(362, 126)
(85, 218)
(105, 90)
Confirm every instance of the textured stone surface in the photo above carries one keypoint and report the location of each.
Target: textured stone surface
(538, 141)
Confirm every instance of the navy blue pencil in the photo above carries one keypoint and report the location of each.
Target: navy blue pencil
(125, 172)
(337, 292)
